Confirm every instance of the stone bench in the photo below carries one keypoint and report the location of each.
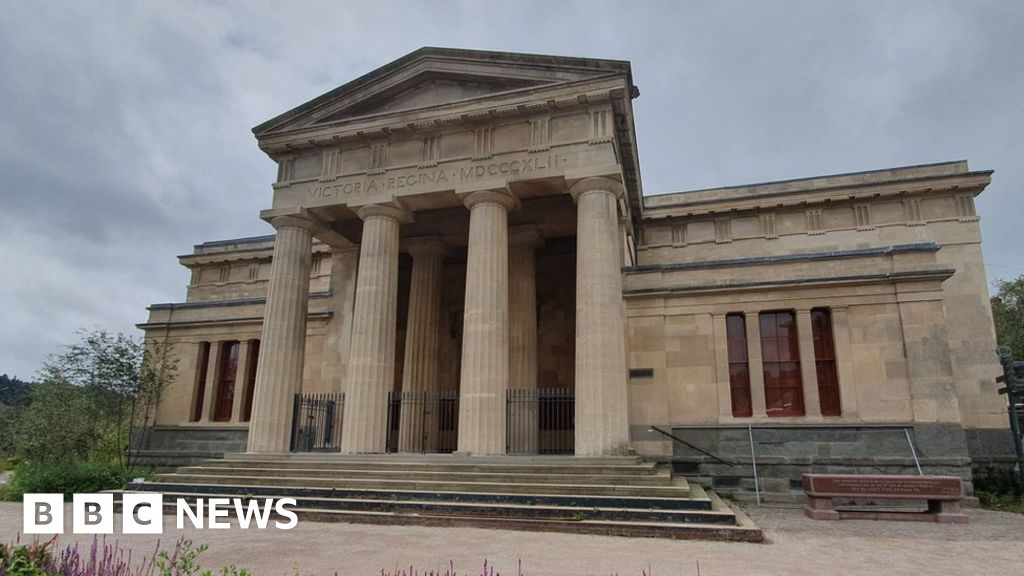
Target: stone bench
(943, 494)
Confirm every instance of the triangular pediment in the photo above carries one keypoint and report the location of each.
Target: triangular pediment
(426, 90)
(432, 77)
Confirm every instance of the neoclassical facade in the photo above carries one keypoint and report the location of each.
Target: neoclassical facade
(464, 260)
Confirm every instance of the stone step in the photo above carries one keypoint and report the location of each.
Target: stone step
(662, 478)
(404, 458)
(524, 466)
(211, 477)
(694, 501)
(727, 525)
(483, 509)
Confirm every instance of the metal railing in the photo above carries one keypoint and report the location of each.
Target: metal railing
(540, 421)
(316, 422)
(424, 421)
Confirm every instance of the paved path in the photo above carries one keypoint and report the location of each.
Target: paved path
(989, 545)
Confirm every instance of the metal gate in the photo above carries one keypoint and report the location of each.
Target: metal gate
(316, 422)
(540, 421)
(424, 421)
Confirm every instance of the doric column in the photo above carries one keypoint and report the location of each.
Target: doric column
(211, 376)
(602, 412)
(484, 380)
(522, 308)
(241, 380)
(371, 369)
(418, 420)
(808, 363)
(279, 368)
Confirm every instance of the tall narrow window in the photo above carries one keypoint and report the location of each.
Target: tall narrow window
(202, 366)
(825, 361)
(250, 386)
(780, 352)
(739, 367)
(226, 372)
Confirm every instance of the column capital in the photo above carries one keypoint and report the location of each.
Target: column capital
(499, 196)
(424, 246)
(392, 211)
(291, 218)
(601, 183)
(527, 235)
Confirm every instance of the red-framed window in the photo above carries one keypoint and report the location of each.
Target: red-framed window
(780, 354)
(825, 361)
(227, 371)
(739, 365)
(202, 364)
(250, 386)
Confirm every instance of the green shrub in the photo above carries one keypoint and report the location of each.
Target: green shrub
(1000, 489)
(66, 477)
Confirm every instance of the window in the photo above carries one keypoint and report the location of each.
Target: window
(739, 367)
(226, 372)
(250, 386)
(202, 365)
(825, 361)
(780, 352)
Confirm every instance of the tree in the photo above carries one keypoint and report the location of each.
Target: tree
(96, 399)
(1008, 313)
(14, 392)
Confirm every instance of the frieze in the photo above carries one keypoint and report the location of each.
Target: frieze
(356, 189)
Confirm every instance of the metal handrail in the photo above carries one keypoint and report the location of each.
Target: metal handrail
(691, 446)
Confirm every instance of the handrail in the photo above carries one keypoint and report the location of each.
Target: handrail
(691, 446)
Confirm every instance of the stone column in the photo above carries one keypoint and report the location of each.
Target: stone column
(283, 343)
(808, 364)
(211, 376)
(602, 409)
(371, 369)
(418, 423)
(755, 364)
(484, 379)
(241, 380)
(522, 307)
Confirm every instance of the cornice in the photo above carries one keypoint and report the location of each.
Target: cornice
(363, 129)
(971, 183)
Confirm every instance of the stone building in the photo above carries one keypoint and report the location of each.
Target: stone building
(465, 261)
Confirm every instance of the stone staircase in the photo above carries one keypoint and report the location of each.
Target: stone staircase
(616, 496)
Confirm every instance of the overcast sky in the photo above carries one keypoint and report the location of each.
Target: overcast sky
(125, 126)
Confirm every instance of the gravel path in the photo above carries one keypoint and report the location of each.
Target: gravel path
(990, 545)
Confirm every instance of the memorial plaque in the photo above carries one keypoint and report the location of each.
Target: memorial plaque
(880, 486)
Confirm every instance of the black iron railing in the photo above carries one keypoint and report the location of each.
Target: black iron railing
(316, 422)
(540, 421)
(423, 421)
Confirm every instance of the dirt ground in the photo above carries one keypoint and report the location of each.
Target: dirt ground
(990, 545)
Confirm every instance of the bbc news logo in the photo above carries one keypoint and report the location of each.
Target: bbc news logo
(144, 513)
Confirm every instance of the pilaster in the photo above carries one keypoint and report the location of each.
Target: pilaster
(241, 380)
(212, 367)
(808, 363)
(756, 363)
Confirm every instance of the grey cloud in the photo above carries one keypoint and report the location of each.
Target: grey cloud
(124, 136)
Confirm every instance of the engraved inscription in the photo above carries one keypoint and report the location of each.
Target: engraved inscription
(886, 486)
(437, 176)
